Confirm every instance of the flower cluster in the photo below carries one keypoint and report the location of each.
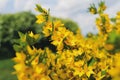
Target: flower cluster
(75, 57)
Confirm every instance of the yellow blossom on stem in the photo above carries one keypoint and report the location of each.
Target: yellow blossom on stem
(40, 18)
(35, 36)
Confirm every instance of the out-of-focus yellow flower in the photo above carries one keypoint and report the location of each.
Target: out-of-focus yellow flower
(31, 51)
(40, 18)
(19, 67)
(78, 71)
(35, 36)
(88, 70)
(109, 46)
(103, 24)
(35, 61)
(47, 29)
(79, 63)
(41, 68)
(58, 37)
(57, 24)
(19, 56)
(45, 78)
(93, 11)
(71, 40)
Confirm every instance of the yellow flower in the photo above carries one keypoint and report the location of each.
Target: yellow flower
(35, 36)
(40, 18)
(20, 67)
(114, 72)
(109, 46)
(79, 63)
(71, 40)
(58, 37)
(20, 57)
(47, 29)
(62, 74)
(76, 57)
(93, 11)
(35, 61)
(50, 27)
(51, 57)
(45, 78)
(32, 51)
(88, 70)
(57, 24)
(39, 77)
(40, 68)
(78, 71)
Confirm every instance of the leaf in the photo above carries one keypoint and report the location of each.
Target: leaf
(21, 34)
(103, 72)
(52, 27)
(91, 62)
(30, 40)
(103, 19)
(40, 9)
(113, 20)
(17, 48)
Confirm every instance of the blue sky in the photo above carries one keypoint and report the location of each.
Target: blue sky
(73, 9)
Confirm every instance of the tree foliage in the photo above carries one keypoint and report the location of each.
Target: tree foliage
(10, 24)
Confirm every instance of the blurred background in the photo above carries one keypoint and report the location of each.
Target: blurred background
(19, 15)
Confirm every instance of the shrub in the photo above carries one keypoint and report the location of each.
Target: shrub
(10, 24)
(74, 57)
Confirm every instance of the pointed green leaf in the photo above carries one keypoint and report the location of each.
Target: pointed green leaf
(103, 72)
(91, 61)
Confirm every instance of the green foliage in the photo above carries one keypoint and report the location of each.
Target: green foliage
(114, 38)
(6, 68)
(69, 24)
(10, 24)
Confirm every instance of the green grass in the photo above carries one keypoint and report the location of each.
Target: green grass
(6, 68)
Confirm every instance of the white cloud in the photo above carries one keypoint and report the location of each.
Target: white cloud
(86, 22)
(19, 5)
(30, 5)
(112, 10)
(3, 4)
(74, 9)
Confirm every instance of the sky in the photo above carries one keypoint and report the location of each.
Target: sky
(77, 10)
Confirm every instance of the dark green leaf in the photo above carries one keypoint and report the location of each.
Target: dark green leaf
(91, 62)
(103, 72)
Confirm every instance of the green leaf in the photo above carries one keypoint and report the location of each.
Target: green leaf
(15, 41)
(91, 61)
(103, 19)
(21, 34)
(40, 9)
(43, 58)
(30, 40)
(17, 48)
(101, 3)
(103, 72)
(113, 20)
(52, 27)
